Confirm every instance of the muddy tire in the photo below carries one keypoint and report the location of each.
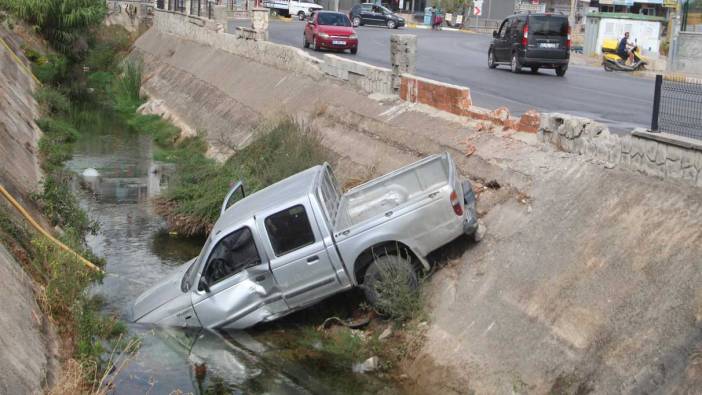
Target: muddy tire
(384, 268)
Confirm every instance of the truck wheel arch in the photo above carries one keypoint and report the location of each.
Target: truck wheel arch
(390, 247)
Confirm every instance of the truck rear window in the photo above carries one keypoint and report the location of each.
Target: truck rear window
(548, 25)
(289, 230)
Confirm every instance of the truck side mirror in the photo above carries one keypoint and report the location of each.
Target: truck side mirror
(494, 34)
(204, 285)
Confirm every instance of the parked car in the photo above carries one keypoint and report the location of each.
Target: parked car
(301, 240)
(374, 14)
(330, 30)
(532, 40)
(301, 9)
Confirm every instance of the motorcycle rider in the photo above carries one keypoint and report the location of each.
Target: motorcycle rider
(624, 50)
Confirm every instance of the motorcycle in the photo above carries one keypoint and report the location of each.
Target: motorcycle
(613, 62)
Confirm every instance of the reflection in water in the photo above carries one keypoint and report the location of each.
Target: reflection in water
(139, 251)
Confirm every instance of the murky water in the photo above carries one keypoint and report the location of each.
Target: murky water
(139, 251)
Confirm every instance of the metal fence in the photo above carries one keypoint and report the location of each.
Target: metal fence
(677, 106)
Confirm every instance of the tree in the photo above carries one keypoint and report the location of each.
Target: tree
(61, 22)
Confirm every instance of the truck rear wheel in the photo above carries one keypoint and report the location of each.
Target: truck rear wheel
(301, 15)
(388, 280)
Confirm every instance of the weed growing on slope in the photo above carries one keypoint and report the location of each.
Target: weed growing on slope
(281, 148)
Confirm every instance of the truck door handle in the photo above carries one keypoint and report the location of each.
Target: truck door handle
(433, 195)
(312, 259)
(388, 214)
(260, 278)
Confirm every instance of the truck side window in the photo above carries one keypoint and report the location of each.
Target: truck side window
(234, 253)
(289, 230)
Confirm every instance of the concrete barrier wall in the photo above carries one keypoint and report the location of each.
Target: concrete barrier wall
(368, 78)
(688, 55)
(656, 154)
(207, 32)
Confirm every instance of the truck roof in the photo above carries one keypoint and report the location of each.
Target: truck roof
(278, 194)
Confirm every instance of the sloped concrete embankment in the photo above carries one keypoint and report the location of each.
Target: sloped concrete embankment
(588, 279)
(28, 359)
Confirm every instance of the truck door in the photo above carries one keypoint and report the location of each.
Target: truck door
(236, 288)
(299, 259)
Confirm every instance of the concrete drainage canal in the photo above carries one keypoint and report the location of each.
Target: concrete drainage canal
(117, 179)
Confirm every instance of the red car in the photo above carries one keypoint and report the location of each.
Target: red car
(330, 30)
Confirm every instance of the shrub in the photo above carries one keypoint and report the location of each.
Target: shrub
(53, 71)
(129, 82)
(61, 22)
(52, 101)
(281, 148)
(396, 287)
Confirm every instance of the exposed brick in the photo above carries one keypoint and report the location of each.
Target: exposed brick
(529, 122)
(445, 97)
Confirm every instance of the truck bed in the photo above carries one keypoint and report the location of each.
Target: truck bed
(381, 195)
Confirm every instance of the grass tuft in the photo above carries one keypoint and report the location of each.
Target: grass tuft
(281, 148)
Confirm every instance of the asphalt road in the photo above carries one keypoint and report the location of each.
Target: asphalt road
(616, 99)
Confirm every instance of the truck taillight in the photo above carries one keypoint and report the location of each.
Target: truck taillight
(568, 42)
(456, 204)
(525, 35)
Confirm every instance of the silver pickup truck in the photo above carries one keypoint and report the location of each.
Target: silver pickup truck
(301, 240)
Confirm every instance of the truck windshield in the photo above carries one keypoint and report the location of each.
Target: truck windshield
(333, 19)
(190, 274)
(548, 25)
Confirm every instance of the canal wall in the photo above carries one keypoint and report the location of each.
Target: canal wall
(28, 360)
(588, 278)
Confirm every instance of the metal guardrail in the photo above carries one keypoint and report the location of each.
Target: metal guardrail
(677, 106)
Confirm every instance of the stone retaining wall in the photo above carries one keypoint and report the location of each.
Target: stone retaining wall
(655, 154)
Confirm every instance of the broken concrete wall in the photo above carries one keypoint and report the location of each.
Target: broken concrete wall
(370, 79)
(656, 154)
(453, 99)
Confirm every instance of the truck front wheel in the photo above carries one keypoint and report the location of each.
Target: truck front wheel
(390, 283)
(301, 15)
